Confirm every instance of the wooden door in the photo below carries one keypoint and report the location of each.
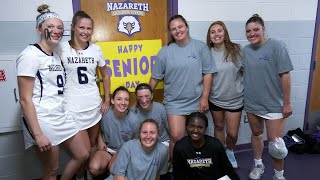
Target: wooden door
(315, 86)
(153, 26)
(313, 101)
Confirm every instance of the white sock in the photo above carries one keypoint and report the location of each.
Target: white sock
(278, 173)
(229, 151)
(257, 162)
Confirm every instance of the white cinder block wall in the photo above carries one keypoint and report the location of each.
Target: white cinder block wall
(291, 21)
(18, 10)
(17, 20)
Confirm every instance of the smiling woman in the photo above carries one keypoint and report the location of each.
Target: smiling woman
(267, 89)
(46, 123)
(226, 95)
(146, 108)
(142, 159)
(185, 66)
(81, 59)
(198, 156)
(118, 126)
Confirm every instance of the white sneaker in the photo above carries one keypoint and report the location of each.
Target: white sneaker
(232, 159)
(256, 172)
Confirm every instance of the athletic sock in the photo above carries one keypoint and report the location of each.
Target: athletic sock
(257, 162)
(278, 173)
(229, 151)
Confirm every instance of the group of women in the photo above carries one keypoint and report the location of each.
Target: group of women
(61, 103)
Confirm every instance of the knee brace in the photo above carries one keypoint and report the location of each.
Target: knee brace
(277, 148)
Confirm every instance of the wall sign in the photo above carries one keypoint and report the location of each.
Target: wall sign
(129, 63)
(2, 75)
(128, 13)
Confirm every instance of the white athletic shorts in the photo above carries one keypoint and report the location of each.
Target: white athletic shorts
(87, 119)
(57, 134)
(271, 116)
(111, 151)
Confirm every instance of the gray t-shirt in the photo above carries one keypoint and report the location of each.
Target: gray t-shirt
(227, 87)
(261, 79)
(182, 69)
(136, 164)
(158, 113)
(116, 131)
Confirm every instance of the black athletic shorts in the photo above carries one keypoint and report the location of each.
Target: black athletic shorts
(213, 107)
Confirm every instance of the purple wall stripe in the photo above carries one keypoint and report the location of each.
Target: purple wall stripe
(312, 67)
(76, 6)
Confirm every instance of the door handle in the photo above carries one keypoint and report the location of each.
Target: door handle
(15, 94)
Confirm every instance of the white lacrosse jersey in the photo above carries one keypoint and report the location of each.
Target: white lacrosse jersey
(48, 97)
(81, 90)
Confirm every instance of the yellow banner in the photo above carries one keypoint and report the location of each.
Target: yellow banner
(129, 63)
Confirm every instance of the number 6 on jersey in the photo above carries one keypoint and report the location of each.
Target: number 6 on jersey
(82, 76)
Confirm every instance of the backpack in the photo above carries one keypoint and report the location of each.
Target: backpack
(298, 142)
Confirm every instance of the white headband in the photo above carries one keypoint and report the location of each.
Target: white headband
(46, 16)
